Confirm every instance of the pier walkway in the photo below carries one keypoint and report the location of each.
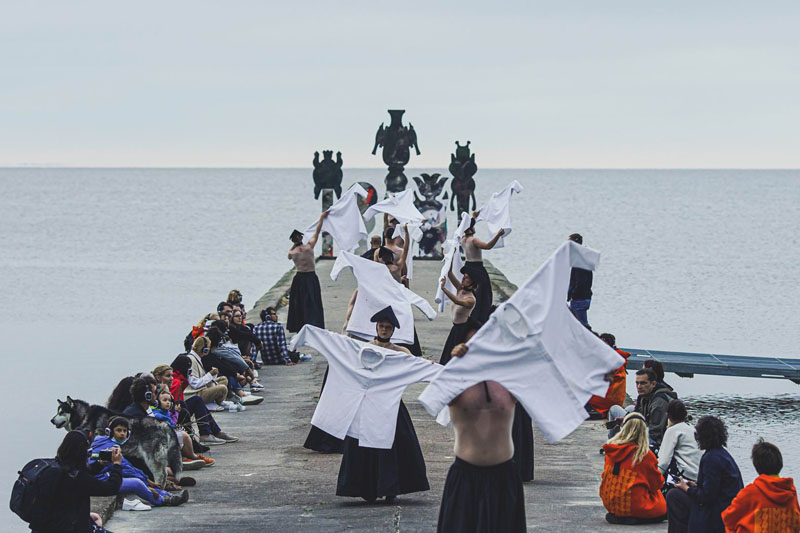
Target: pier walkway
(269, 482)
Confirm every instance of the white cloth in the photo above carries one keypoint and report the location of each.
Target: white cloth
(364, 387)
(497, 212)
(415, 232)
(400, 206)
(344, 222)
(679, 443)
(452, 258)
(535, 348)
(376, 290)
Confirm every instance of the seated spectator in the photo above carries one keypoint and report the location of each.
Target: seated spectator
(231, 365)
(134, 481)
(651, 403)
(235, 300)
(69, 508)
(143, 391)
(631, 483)
(121, 395)
(210, 432)
(209, 386)
(243, 337)
(698, 506)
(658, 367)
(769, 503)
(273, 339)
(679, 454)
(167, 410)
(198, 330)
(598, 406)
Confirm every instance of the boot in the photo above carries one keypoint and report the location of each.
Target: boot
(176, 499)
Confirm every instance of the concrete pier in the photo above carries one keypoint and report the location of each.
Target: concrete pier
(269, 482)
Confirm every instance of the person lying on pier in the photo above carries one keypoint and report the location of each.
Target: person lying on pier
(679, 454)
(362, 403)
(305, 295)
(599, 406)
(651, 403)
(631, 483)
(697, 506)
(769, 503)
(463, 303)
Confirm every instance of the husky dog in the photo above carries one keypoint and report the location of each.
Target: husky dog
(151, 443)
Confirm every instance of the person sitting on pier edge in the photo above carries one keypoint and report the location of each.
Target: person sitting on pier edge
(225, 357)
(631, 484)
(209, 386)
(473, 253)
(651, 403)
(273, 340)
(679, 453)
(697, 507)
(598, 407)
(579, 294)
(483, 489)
(305, 295)
(463, 303)
(658, 367)
(143, 395)
(372, 473)
(769, 503)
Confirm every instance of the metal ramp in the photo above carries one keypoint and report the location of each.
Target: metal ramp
(687, 364)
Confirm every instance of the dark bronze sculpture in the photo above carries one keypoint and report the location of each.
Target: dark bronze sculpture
(462, 167)
(396, 141)
(435, 228)
(327, 173)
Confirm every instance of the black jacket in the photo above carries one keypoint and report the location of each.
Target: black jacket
(580, 284)
(71, 500)
(134, 410)
(718, 483)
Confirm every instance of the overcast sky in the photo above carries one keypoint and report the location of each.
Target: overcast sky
(562, 84)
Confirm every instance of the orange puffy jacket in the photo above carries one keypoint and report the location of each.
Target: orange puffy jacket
(767, 505)
(628, 489)
(615, 395)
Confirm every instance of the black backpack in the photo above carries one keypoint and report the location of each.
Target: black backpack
(34, 491)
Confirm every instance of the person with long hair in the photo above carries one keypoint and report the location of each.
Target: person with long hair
(697, 507)
(305, 295)
(631, 484)
(121, 395)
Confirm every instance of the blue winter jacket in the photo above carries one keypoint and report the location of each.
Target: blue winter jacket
(128, 470)
(718, 482)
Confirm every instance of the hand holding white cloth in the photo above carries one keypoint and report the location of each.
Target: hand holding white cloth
(400, 206)
(452, 259)
(344, 222)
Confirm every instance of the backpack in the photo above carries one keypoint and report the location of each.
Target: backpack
(34, 491)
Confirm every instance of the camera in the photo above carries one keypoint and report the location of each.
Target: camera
(103, 455)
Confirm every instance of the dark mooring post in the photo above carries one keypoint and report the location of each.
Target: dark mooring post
(396, 141)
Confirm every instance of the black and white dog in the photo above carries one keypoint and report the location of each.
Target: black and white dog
(152, 443)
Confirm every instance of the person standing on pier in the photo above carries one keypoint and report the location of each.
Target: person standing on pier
(579, 295)
(473, 252)
(463, 303)
(305, 296)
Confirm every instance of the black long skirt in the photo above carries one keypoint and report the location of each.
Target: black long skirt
(371, 473)
(415, 348)
(305, 302)
(321, 441)
(458, 334)
(522, 435)
(485, 499)
(483, 293)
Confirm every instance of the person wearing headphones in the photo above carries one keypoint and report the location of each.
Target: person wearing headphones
(631, 482)
(134, 481)
(210, 386)
(143, 395)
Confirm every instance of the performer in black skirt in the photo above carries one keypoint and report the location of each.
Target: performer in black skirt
(473, 248)
(372, 473)
(305, 297)
(463, 303)
(522, 435)
(483, 490)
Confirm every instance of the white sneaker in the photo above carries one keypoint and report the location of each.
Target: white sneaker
(227, 405)
(214, 408)
(305, 357)
(238, 408)
(252, 400)
(134, 505)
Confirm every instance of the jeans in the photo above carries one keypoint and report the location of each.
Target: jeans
(206, 425)
(231, 356)
(137, 487)
(579, 308)
(615, 412)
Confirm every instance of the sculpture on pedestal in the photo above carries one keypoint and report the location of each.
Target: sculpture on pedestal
(462, 167)
(396, 141)
(327, 173)
(434, 229)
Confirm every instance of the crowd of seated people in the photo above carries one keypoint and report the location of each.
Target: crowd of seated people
(658, 466)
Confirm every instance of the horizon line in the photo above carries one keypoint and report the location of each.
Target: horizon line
(82, 167)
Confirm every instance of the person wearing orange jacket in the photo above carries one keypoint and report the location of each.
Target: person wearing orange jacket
(631, 485)
(615, 395)
(769, 503)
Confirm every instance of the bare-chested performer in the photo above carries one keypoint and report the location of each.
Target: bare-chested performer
(305, 297)
(372, 473)
(473, 252)
(387, 256)
(463, 303)
(483, 490)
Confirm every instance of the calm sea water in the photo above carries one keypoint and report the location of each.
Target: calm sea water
(103, 271)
